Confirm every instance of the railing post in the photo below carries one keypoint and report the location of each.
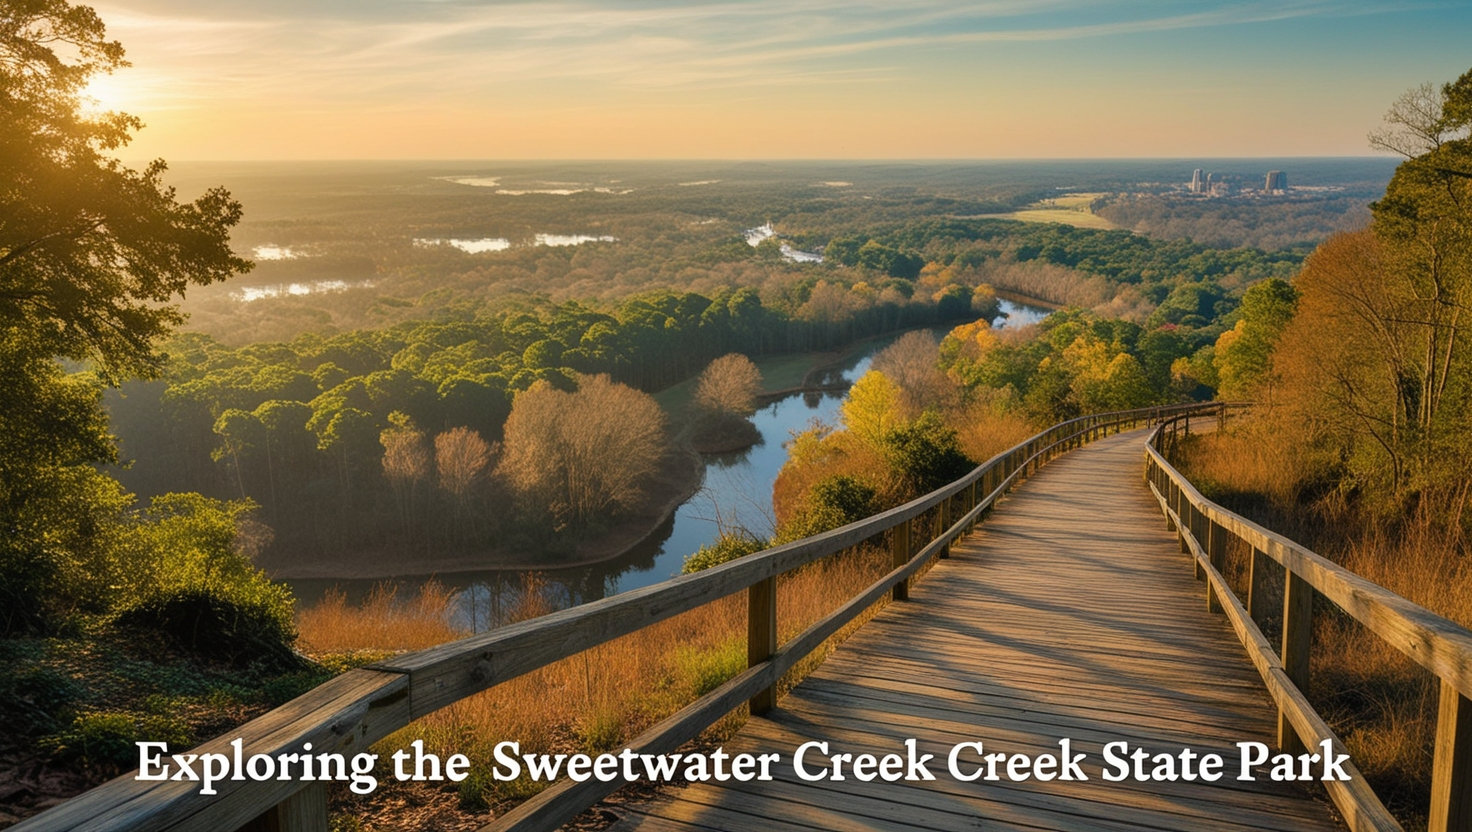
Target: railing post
(899, 543)
(943, 520)
(1167, 490)
(970, 505)
(1216, 550)
(1254, 574)
(305, 811)
(1298, 630)
(1451, 772)
(1183, 511)
(761, 636)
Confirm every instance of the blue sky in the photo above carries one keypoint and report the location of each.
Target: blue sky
(771, 79)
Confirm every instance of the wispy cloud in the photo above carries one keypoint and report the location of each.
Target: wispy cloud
(350, 50)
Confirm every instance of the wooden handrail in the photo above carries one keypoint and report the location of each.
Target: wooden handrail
(1436, 643)
(358, 708)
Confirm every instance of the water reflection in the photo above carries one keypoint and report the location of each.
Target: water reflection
(737, 491)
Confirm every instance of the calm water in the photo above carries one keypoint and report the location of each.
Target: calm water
(737, 491)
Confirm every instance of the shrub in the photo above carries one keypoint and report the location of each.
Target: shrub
(925, 455)
(34, 698)
(229, 627)
(728, 546)
(109, 738)
(831, 502)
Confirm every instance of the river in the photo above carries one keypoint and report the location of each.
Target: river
(737, 488)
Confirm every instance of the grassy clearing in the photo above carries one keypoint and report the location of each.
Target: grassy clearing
(1382, 704)
(1070, 209)
(592, 702)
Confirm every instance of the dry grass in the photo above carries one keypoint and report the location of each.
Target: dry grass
(1250, 461)
(383, 621)
(597, 700)
(1382, 704)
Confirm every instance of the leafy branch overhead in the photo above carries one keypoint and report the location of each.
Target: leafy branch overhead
(92, 253)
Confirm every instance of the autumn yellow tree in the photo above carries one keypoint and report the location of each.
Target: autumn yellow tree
(462, 459)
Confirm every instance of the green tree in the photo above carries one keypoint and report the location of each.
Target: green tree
(91, 256)
(1243, 352)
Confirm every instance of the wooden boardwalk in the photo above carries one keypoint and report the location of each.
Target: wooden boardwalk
(1069, 613)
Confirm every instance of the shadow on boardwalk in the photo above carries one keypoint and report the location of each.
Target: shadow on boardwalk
(1069, 613)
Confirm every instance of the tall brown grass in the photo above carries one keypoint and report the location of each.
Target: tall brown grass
(1381, 703)
(598, 699)
(383, 621)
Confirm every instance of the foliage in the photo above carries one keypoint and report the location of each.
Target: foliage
(728, 546)
(1376, 359)
(871, 410)
(91, 252)
(831, 502)
(321, 431)
(110, 739)
(91, 256)
(728, 385)
(1243, 353)
(923, 454)
(1076, 363)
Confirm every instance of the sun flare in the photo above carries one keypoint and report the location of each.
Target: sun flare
(106, 94)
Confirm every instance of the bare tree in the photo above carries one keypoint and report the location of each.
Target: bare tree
(461, 457)
(1414, 124)
(729, 386)
(913, 364)
(582, 456)
(406, 464)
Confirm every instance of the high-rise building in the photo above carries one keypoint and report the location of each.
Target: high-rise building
(1197, 184)
(1277, 182)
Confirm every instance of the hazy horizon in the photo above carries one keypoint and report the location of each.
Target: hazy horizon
(790, 80)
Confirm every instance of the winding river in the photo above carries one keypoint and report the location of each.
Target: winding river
(737, 491)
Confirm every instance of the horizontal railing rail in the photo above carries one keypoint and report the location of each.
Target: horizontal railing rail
(352, 711)
(1436, 643)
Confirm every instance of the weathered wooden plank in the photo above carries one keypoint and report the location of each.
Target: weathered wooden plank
(1451, 778)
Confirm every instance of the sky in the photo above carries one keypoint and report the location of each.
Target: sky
(770, 79)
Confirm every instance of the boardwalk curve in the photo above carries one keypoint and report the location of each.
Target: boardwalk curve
(1070, 613)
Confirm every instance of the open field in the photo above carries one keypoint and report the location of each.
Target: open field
(1070, 209)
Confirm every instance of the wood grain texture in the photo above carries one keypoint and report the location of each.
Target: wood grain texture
(1070, 613)
(1436, 643)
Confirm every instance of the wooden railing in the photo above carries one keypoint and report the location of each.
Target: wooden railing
(1437, 644)
(353, 711)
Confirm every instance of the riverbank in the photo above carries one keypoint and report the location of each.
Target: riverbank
(638, 541)
(677, 480)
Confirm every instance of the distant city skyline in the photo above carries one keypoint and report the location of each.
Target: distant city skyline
(609, 79)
